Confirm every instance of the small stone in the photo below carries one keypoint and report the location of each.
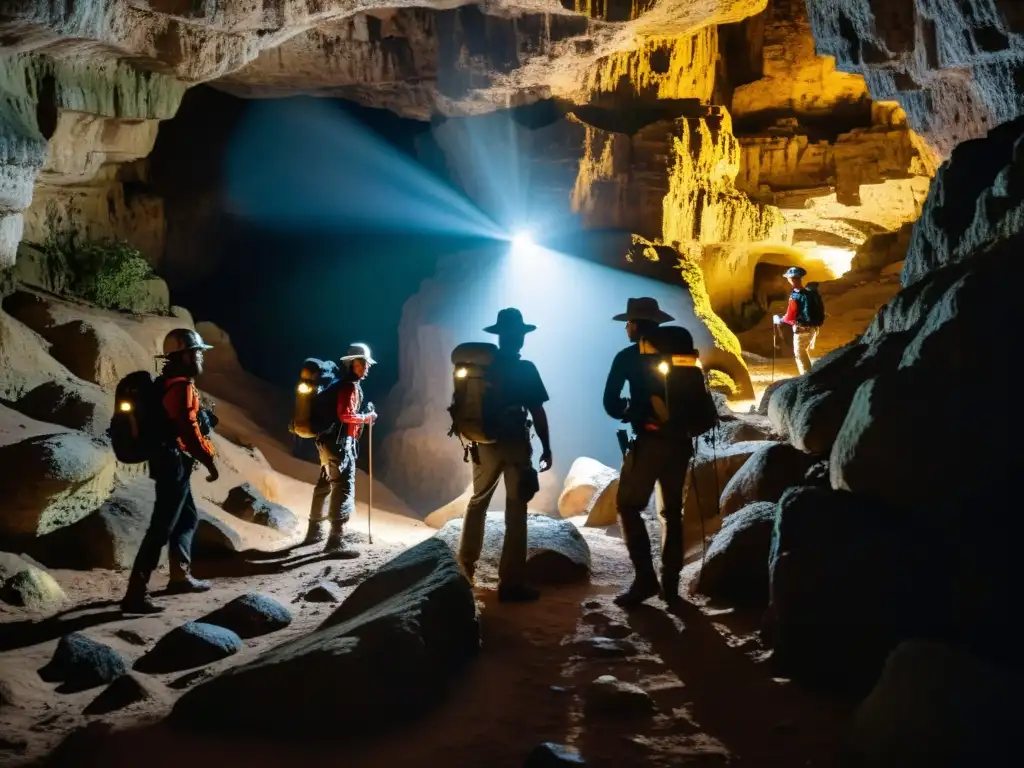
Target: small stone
(193, 644)
(323, 592)
(126, 690)
(606, 646)
(131, 636)
(551, 755)
(592, 604)
(609, 695)
(80, 663)
(250, 615)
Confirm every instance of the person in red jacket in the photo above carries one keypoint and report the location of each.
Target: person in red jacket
(175, 516)
(804, 334)
(334, 496)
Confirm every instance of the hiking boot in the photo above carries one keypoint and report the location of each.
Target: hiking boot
(316, 533)
(640, 590)
(517, 593)
(670, 589)
(183, 582)
(337, 547)
(140, 603)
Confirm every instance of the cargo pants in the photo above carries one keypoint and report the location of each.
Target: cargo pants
(654, 458)
(510, 459)
(334, 495)
(804, 337)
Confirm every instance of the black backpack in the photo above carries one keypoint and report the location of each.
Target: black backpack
(315, 408)
(679, 393)
(812, 308)
(475, 408)
(139, 424)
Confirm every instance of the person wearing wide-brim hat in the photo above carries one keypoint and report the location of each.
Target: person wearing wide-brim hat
(522, 393)
(656, 456)
(334, 495)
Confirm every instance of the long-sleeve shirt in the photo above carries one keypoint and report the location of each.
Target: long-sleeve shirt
(350, 398)
(181, 402)
(793, 310)
(628, 366)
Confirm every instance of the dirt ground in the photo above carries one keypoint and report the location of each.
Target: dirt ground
(716, 700)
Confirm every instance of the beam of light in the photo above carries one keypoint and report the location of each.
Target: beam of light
(303, 164)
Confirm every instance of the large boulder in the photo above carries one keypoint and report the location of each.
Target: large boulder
(50, 481)
(99, 352)
(556, 552)
(26, 585)
(193, 644)
(80, 663)
(586, 479)
(72, 403)
(736, 566)
(710, 472)
(850, 579)
(250, 615)
(25, 360)
(765, 476)
(937, 706)
(391, 647)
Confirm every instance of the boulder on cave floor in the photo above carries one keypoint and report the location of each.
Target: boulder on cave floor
(25, 585)
(937, 706)
(850, 579)
(384, 655)
(72, 403)
(193, 644)
(556, 552)
(765, 476)
(710, 472)
(250, 615)
(586, 479)
(609, 696)
(50, 481)
(80, 663)
(124, 691)
(736, 566)
(604, 510)
(247, 503)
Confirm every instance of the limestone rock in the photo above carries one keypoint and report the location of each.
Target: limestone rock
(765, 476)
(586, 479)
(247, 503)
(71, 403)
(736, 566)
(953, 73)
(392, 645)
(25, 361)
(939, 706)
(604, 508)
(849, 580)
(26, 585)
(555, 550)
(710, 472)
(53, 480)
(80, 663)
(323, 592)
(214, 537)
(250, 615)
(100, 353)
(193, 644)
(107, 538)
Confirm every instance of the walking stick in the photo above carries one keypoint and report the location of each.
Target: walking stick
(775, 338)
(369, 508)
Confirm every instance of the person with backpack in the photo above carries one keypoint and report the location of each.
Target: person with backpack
(805, 315)
(338, 431)
(515, 390)
(661, 415)
(180, 429)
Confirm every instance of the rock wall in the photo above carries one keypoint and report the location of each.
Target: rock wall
(954, 67)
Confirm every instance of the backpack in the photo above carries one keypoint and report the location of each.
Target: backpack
(812, 308)
(315, 409)
(475, 409)
(680, 396)
(139, 424)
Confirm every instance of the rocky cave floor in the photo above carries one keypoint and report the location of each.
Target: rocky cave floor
(715, 700)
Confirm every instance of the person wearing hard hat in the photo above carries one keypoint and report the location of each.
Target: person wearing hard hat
(655, 456)
(805, 332)
(175, 516)
(334, 497)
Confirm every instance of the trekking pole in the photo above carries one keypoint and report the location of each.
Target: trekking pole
(775, 338)
(369, 507)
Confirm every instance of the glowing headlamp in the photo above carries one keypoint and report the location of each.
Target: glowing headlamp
(461, 373)
(663, 368)
(125, 406)
(304, 388)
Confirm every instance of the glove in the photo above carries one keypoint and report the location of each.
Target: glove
(776, 319)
